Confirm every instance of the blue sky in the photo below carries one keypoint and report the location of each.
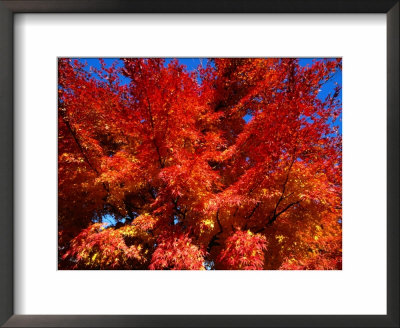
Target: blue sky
(192, 63)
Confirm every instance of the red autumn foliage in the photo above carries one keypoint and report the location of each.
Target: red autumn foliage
(190, 184)
(243, 251)
(175, 251)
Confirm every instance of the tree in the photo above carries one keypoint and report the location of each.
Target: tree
(190, 183)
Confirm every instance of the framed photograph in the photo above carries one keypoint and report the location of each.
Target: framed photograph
(206, 164)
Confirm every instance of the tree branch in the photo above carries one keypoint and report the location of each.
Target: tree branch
(285, 183)
(281, 212)
(63, 115)
(276, 215)
(152, 125)
(213, 242)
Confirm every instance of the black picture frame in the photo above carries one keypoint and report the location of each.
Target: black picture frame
(10, 7)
